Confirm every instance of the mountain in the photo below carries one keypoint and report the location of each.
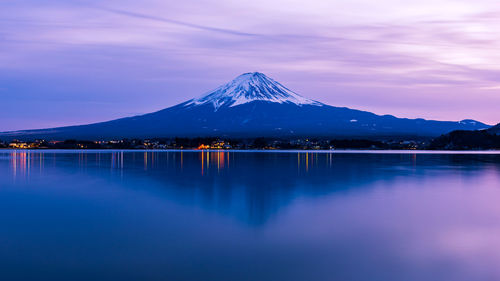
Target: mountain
(495, 130)
(252, 105)
(247, 88)
(469, 140)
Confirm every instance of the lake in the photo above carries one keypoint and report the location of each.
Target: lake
(192, 215)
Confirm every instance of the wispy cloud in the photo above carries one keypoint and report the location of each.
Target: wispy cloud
(171, 21)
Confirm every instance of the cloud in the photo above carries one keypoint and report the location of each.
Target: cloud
(337, 52)
(171, 21)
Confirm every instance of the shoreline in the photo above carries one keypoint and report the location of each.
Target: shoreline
(337, 151)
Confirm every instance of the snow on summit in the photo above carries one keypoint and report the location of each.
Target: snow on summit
(251, 87)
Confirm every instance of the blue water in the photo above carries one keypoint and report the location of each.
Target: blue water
(115, 215)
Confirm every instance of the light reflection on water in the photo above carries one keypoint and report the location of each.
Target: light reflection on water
(22, 161)
(224, 215)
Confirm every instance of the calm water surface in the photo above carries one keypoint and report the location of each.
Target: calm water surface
(118, 215)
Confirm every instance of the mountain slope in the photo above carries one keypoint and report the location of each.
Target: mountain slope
(251, 87)
(467, 140)
(252, 105)
(495, 130)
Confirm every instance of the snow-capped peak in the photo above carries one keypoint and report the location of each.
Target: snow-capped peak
(250, 87)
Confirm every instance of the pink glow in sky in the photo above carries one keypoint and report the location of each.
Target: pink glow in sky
(75, 62)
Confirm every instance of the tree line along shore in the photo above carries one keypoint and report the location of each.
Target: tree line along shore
(456, 140)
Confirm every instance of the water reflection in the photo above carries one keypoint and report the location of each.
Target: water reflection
(23, 162)
(251, 187)
(219, 215)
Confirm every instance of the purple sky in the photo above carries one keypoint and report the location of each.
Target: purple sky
(74, 62)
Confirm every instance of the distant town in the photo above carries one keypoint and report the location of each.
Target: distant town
(457, 140)
(218, 144)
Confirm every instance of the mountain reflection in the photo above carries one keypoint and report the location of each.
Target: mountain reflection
(251, 186)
